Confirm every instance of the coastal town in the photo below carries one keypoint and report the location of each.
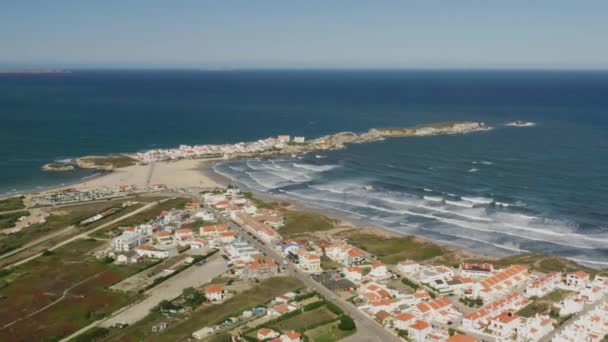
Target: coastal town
(218, 246)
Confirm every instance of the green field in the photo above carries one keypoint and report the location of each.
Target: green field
(393, 250)
(328, 333)
(58, 219)
(206, 316)
(115, 161)
(13, 203)
(305, 319)
(299, 223)
(75, 283)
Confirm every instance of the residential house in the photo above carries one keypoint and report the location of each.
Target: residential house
(214, 292)
(418, 331)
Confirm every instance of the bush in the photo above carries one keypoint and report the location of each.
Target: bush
(346, 323)
(334, 308)
(410, 283)
(46, 252)
(313, 305)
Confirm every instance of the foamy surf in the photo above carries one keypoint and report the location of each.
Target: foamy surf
(478, 200)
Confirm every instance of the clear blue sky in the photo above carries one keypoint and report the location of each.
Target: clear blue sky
(304, 34)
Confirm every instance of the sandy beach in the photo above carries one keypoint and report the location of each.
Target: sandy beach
(182, 173)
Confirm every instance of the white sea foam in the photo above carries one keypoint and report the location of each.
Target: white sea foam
(63, 160)
(316, 168)
(525, 124)
(483, 162)
(473, 170)
(433, 198)
(478, 200)
(459, 204)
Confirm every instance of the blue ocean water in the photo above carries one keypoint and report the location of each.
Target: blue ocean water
(506, 190)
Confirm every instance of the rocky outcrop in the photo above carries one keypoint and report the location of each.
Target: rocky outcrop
(106, 163)
(56, 167)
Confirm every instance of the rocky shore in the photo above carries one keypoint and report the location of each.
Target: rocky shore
(57, 167)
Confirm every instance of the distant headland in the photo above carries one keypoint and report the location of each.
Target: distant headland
(282, 144)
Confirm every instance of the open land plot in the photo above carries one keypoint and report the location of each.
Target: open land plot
(300, 223)
(59, 219)
(395, 249)
(206, 315)
(59, 293)
(328, 333)
(540, 305)
(305, 319)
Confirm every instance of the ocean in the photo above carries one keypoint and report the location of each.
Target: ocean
(502, 191)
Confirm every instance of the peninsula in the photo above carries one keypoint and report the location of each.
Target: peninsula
(282, 144)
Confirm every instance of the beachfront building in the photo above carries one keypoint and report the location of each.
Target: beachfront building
(501, 283)
(572, 304)
(227, 237)
(345, 254)
(353, 273)
(504, 325)
(260, 229)
(378, 271)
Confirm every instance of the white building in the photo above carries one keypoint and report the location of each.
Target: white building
(214, 292)
(127, 241)
(149, 252)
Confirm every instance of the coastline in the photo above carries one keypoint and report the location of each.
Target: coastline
(453, 251)
(344, 223)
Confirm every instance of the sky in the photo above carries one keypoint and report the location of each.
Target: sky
(556, 34)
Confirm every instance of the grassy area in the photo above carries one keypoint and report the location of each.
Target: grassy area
(9, 220)
(44, 281)
(113, 161)
(58, 219)
(305, 319)
(206, 316)
(393, 250)
(543, 263)
(299, 223)
(540, 305)
(328, 333)
(328, 264)
(13, 203)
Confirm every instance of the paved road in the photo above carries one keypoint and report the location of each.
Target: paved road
(85, 234)
(368, 329)
(171, 288)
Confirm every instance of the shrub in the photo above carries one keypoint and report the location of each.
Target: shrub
(346, 323)
(334, 308)
(313, 305)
